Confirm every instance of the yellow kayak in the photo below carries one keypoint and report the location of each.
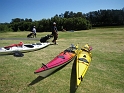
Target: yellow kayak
(83, 60)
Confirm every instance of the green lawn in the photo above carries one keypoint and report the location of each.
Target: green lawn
(105, 73)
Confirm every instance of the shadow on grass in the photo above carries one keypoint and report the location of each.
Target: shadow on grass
(39, 78)
(73, 78)
(14, 53)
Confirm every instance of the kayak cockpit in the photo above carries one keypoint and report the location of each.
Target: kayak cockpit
(29, 46)
(83, 59)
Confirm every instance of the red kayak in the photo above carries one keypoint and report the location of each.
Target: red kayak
(59, 61)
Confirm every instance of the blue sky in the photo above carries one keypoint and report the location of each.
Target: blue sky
(39, 9)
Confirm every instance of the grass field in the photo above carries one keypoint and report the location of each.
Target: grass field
(105, 73)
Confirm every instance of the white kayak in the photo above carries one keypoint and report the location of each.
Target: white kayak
(22, 48)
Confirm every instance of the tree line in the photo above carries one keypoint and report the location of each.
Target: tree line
(106, 17)
(68, 21)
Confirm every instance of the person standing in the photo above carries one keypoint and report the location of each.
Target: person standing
(34, 31)
(54, 33)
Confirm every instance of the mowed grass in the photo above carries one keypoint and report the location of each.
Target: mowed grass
(105, 73)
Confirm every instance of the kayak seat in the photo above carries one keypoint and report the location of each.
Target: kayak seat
(69, 50)
(30, 46)
(37, 44)
(61, 57)
(83, 59)
(7, 48)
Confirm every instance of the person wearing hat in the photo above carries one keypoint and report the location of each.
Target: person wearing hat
(54, 33)
(34, 31)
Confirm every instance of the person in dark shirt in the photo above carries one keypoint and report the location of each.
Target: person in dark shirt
(54, 33)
